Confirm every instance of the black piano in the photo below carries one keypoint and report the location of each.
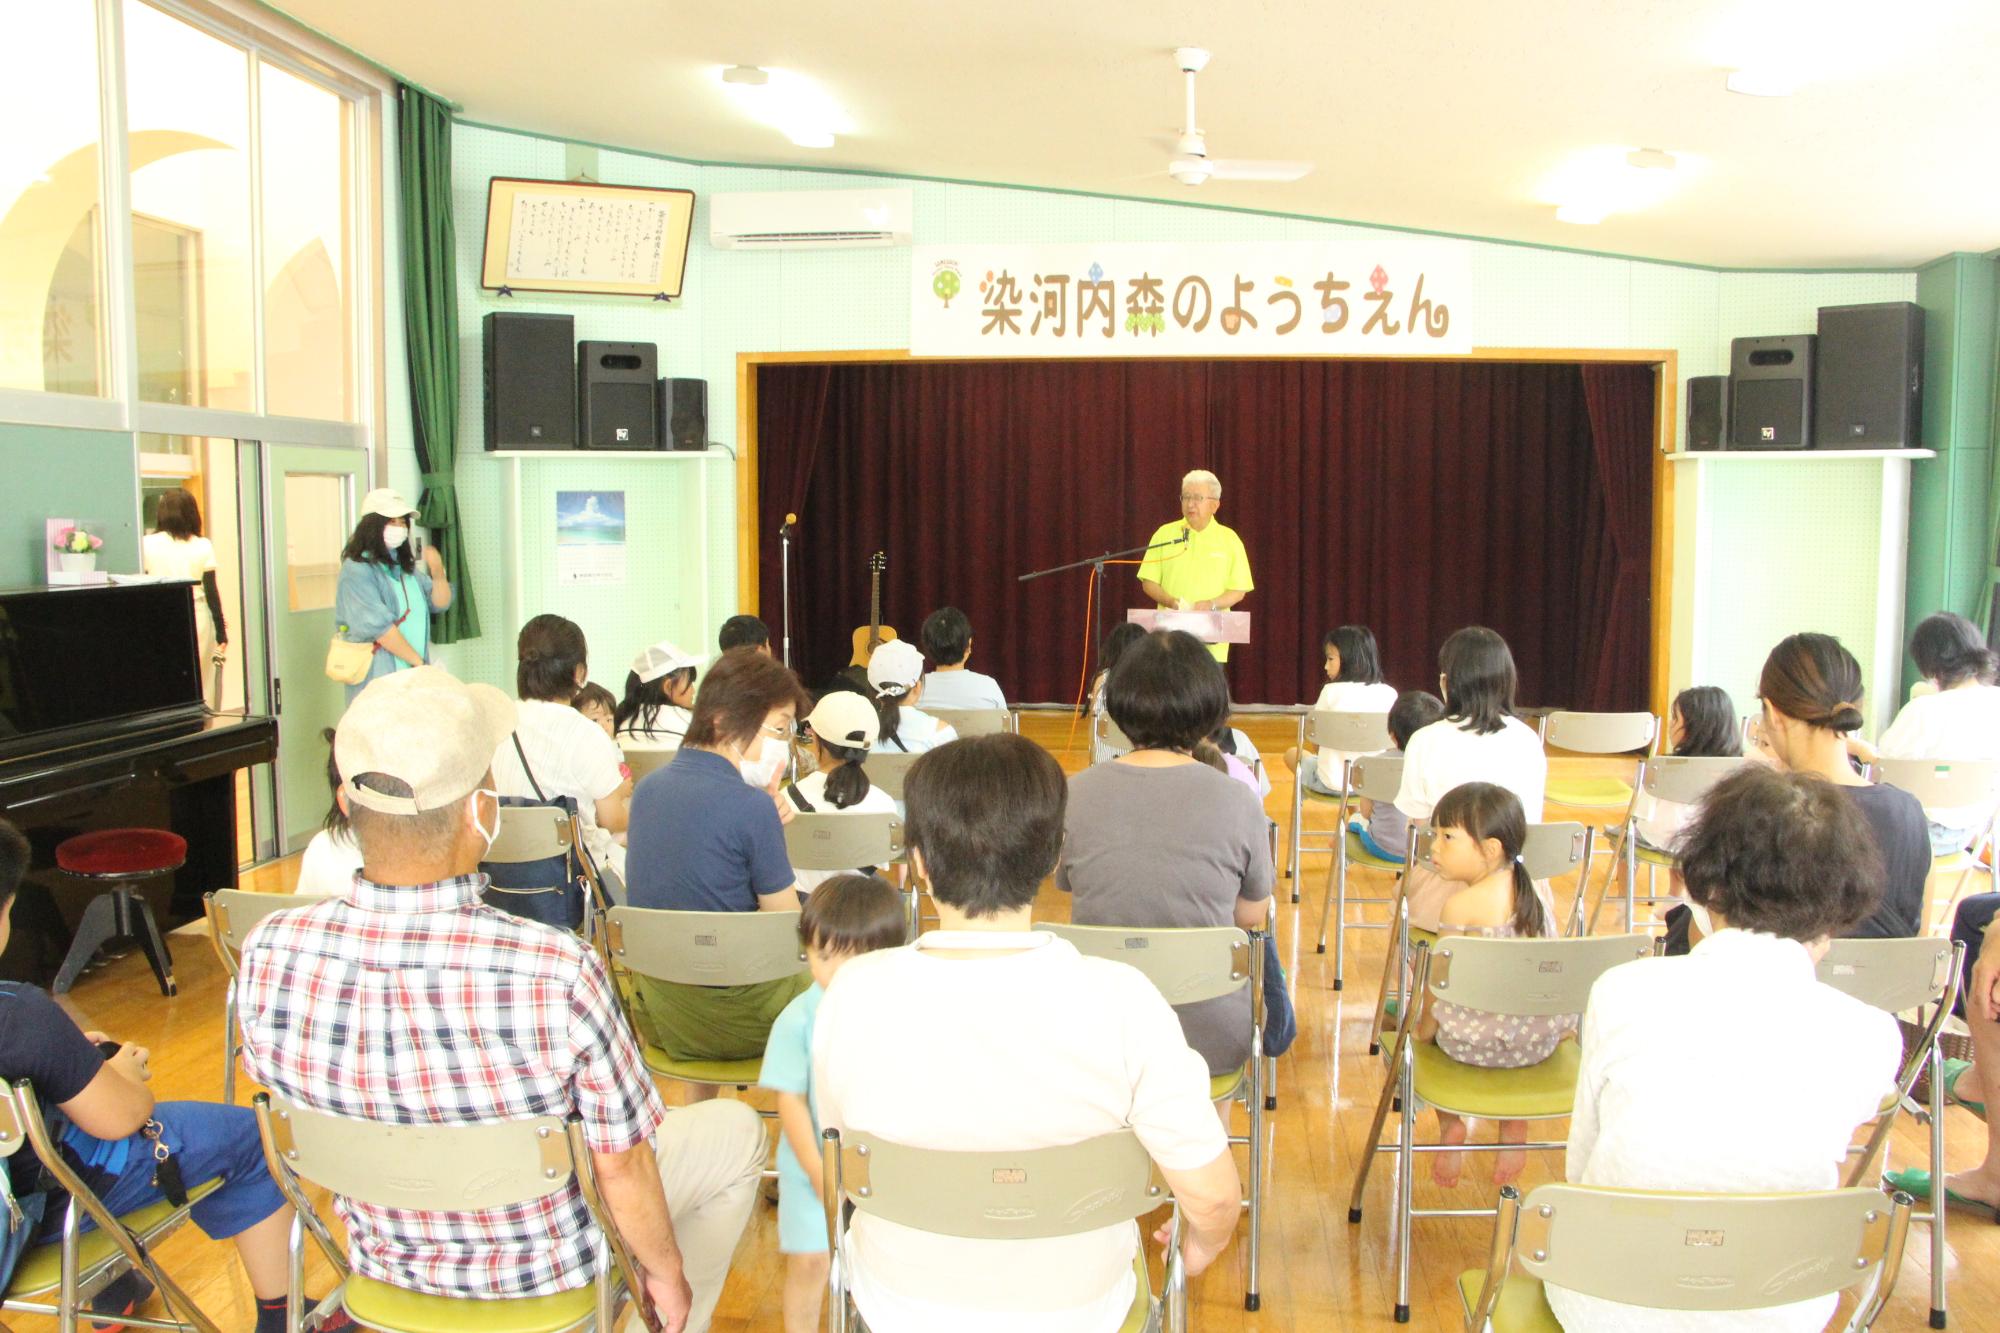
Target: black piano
(102, 725)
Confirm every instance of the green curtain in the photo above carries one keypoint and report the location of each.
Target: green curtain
(430, 321)
(1990, 591)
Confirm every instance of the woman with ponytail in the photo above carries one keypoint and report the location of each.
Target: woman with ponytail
(844, 727)
(1479, 830)
(1959, 719)
(1811, 689)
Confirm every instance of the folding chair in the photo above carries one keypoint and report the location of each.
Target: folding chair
(532, 833)
(1110, 740)
(232, 914)
(977, 721)
(1693, 1252)
(1948, 784)
(1188, 965)
(1596, 735)
(1531, 977)
(833, 840)
(1680, 779)
(440, 1169)
(79, 1264)
(1030, 1194)
(1899, 976)
(1373, 777)
(889, 770)
(1549, 852)
(644, 759)
(1332, 732)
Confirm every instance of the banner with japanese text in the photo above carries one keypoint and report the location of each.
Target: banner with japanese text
(1396, 296)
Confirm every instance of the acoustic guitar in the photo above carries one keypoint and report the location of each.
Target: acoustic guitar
(873, 634)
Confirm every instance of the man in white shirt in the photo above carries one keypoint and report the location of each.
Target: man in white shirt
(1005, 1038)
(947, 637)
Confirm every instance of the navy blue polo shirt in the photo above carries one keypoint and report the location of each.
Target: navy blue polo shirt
(702, 839)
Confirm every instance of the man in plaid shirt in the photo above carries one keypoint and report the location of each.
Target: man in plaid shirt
(408, 1000)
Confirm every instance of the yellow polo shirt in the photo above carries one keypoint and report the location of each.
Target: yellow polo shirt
(1212, 563)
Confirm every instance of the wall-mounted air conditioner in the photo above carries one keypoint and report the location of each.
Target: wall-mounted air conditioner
(809, 219)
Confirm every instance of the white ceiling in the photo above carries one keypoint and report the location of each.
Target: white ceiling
(1444, 115)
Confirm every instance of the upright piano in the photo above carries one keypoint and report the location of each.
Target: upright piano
(102, 725)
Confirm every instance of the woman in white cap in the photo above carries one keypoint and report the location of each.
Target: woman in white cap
(896, 674)
(386, 596)
(844, 727)
(659, 699)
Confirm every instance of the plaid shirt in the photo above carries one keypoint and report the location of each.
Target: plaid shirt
(422, 1005)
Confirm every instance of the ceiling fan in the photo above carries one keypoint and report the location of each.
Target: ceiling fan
(1192, 165)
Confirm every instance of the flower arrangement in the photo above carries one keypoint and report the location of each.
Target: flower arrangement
(75, 541)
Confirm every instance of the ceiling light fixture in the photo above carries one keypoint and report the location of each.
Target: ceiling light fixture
(1763, 81)
(1593, 183)
(794, 105)
(1582, 215)
(749, 76)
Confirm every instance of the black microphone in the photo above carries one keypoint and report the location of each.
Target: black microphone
(1184, 533)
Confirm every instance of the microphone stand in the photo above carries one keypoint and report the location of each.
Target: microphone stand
(1097, 563)
(785, 584)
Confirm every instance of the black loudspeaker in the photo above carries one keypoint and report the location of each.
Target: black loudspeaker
(530, 381)
(1770, 392)
(1708, 412)
(684, 414)
(1868, 392)
(614, 392)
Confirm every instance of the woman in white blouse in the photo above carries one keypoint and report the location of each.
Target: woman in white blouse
(1478, 740)
(1734, 1069)
(1960, 720)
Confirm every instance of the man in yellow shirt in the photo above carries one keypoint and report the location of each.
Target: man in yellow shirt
(1211, 570)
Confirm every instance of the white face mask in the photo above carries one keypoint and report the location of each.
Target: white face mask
(395, 535)
(495, 834)
(1702, 921)
(770, 762)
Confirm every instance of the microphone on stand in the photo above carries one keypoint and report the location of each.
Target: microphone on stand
(787, 525)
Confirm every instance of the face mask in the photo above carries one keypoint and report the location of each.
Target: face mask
(1702, 921)
(495, 834)
(393, 537)
(770, 761)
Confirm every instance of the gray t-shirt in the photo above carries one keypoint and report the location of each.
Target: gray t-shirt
(1159, 847)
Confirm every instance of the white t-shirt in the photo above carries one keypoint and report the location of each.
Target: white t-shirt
(1349, 696)
(813, 788)
(962, 689)
(571, 756)
(1951, 724)
(328, 865)
(670, 723)
(1677, 1091)
(168, 558)
(916, 732)
(1079, 1047)
(1445, 755)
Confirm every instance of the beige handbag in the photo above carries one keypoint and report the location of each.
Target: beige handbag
(347, 662)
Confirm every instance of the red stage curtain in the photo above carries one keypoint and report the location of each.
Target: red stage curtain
(1411, 497)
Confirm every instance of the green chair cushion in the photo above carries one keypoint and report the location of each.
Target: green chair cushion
(381, 1306)
(40, 1269)
(1320, 796)
(1539, 1091)
(728, 1073)
(1522, 1307)
(1654, 857)
(1142, 1296)
(1360, 856)
(1224, 1085)
(1418, 935)
(1588, 793)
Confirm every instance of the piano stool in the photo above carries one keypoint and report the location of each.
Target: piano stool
(119, 858)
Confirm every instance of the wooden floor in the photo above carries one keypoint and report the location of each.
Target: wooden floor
(1318, 1271)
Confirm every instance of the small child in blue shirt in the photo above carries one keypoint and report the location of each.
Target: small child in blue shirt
(846, 916)
(1384, 830)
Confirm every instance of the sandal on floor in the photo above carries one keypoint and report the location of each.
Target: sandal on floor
(1952, 1069)
(122, 1297)
(1917, 1184)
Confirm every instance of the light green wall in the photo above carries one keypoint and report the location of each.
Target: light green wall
(53, 471)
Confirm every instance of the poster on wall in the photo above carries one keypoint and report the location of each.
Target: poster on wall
(1391, 295)
(590, 537)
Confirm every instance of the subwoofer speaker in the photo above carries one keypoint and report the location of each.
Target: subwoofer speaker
(1708, 412)
(1770, 392)
(530, 381)
(683, 414)
(614, 387)
(1868, 389)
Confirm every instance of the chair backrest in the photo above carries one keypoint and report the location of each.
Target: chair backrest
(1942, 784)
(1528, 977)
(1599, 733)
(1029, 1194)
(975, 721)
(1549, 851)
(1375, 777)
(1685, 778)
(1351, 733)
(234, 913)
(644, 759)
(12, 1133)
(889, 770)
(835, 840)
(1110, 734)
(427, 1168)
(1895, 975)
(1703, 1252)
(1186, 964)
(531, 833)
(706, 948)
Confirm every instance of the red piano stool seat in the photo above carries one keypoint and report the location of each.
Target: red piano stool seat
(119, 858)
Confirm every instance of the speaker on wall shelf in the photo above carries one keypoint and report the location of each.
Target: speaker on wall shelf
(1708, 412)
(614, 390)
(530, 381)
(1770, 392)
(1869, 389)
(684, 414)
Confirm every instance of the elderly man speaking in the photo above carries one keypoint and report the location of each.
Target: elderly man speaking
(1211, 571)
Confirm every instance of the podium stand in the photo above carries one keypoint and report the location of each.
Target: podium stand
(1208, 626)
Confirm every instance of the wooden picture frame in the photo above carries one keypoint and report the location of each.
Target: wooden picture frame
(586, 239)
